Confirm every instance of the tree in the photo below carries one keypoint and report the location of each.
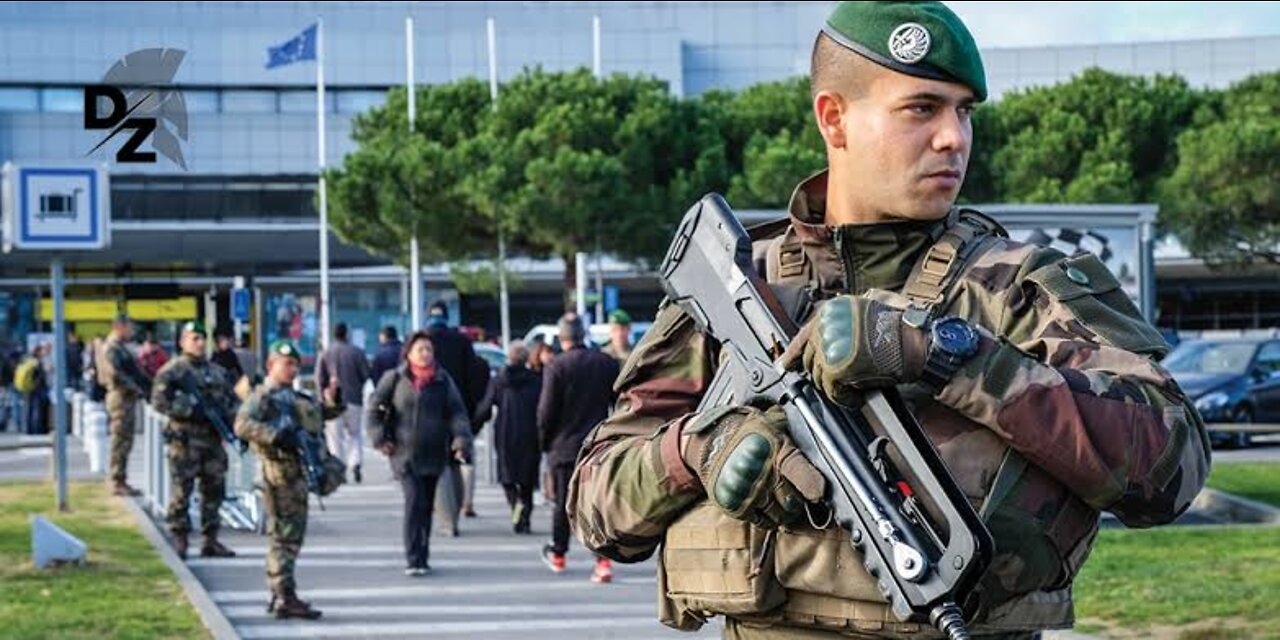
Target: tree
(1223, 199)
(398, 184)
(1101, 137)
(568, 162)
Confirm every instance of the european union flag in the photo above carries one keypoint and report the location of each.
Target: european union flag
(303, 47)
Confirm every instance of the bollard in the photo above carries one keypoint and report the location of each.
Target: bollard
(96, 441)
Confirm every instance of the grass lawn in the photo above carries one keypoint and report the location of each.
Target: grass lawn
(124, 591)
(1253, 480)
(1188, 583)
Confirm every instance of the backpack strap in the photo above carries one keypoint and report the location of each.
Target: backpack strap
(789, 273)
(956, 244)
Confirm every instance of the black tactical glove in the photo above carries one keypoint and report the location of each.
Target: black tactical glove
(857, 343)
(749, 466)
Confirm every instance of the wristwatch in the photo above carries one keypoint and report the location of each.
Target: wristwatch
(952, 341)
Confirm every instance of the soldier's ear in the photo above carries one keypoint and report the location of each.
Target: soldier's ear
(828, 110)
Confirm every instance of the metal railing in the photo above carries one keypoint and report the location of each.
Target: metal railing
(1243, 427)
(242, 508)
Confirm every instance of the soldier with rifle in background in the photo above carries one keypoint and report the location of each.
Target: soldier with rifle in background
(284, 427)
(197, 396)
(118, 371)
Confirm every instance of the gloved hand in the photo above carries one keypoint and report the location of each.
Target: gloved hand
(750, 467)
(285, 439)
(857, 343)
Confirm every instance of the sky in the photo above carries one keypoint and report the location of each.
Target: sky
(1009, 24)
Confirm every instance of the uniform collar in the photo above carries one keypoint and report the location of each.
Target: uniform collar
(853, 258)
(194, 359)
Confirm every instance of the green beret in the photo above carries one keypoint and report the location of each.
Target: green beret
(923, 39)
(619, 316)
(285, 348)
(194, 326)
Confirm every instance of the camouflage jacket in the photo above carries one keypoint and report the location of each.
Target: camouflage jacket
(118, 369)
(1065, 415)
(212, 383)
(256, 424)
(617, 354)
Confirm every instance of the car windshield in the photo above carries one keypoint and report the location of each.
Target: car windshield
(1210, 357)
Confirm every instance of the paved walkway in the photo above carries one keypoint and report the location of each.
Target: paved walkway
(487, 583)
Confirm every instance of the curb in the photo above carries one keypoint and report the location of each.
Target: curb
(1230, 508)
(212, 617)
(26, 444)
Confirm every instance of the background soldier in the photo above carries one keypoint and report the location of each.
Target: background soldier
(1032, 373)
(619, 336)
(120, 373)
(195, 445)
(285, 492)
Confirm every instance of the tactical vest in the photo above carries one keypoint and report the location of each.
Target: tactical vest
(808, 576)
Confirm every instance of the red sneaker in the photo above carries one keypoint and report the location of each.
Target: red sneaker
(553, 560)
(603, 573)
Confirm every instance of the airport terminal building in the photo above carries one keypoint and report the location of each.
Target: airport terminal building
(240, 202)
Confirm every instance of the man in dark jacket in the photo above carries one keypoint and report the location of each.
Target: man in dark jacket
(577, 391)
(454, 352)
(514, 392)
(344, 366)
(388, 356)
(224, 356)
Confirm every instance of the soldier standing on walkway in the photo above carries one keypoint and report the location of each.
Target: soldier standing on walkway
(195, 446)
(119, 372)
(285, 487)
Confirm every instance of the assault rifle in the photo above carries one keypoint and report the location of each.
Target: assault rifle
(917, 533)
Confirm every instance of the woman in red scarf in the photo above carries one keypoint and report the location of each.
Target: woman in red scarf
(417, 418)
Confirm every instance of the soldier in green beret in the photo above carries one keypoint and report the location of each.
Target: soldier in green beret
(285, 496)
(194, 444)
(1032, 373)
(619, 336)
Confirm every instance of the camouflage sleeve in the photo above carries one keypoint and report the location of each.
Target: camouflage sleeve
(630, 481)
(251, 425)
(1073, 384)
(162, 395)
(121, 368)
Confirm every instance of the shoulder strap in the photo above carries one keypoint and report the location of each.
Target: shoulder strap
(789, 273)
(957, 243)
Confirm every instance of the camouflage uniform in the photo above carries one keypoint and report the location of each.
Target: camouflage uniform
(195, 446)
(617, 354)
(285, 487)
(117, 369)
(1064, 415)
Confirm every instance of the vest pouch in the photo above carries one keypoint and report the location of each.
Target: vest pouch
(828, 587)
(712, 564)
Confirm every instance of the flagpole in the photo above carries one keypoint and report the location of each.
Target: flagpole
(503, 300)
(415, 265)
(323, 341)
(596, 71)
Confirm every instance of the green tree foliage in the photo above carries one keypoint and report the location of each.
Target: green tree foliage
(1101, 137)
(1223, 199)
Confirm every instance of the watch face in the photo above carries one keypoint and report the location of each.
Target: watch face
(955, 336)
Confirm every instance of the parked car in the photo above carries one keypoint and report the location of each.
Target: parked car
(598, 334)
(492, 355)
(1230, 380)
